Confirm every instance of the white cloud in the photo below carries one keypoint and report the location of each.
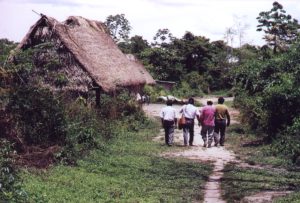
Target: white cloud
(201, 17)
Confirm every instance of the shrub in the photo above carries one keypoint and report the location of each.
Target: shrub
(268, 92)
(10, 184)
(289, 143)
(185, 90)
(251, 110)
(268, 95)
(39, 115)
(89, 128)
(155, 91)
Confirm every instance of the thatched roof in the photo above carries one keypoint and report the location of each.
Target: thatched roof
(94, 50)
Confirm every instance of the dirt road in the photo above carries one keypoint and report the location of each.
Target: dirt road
(218, 155)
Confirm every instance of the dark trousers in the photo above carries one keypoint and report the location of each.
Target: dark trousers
(220, 127)
(169, 131)
(188, 131)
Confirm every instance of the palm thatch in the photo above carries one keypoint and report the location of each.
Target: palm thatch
(92, 49)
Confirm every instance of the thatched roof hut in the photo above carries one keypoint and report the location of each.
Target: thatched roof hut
(91, 58)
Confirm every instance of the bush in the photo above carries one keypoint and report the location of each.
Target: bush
(289, 143)
(251, 110)
(10, 184)
(268, 91)
(39, 116)
(88, 128)
(185, 90)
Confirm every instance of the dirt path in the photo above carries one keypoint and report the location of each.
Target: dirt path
(220, 156)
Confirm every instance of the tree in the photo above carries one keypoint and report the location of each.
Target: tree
(279, 28)
(5, 47)
(248, 52)
(135, 45)
(268, 91)
(218, 70)
(162, 37)
(195, 51)
(229, 36)
(163, 64)
(240, 29)
(118, 26)
(138, 44)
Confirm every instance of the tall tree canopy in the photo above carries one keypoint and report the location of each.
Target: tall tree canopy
(280, 29)
(162, 37)
(118, 26)
(135, 45)
(195, 51)
(185, 59)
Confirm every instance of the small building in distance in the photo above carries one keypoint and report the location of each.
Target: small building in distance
(168, 85)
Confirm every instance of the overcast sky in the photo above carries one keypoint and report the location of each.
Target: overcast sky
(209, 18)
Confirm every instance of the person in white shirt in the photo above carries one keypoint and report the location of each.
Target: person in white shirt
(190, 112)
(168, 120)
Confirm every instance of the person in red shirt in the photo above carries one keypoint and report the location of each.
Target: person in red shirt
(207, 121)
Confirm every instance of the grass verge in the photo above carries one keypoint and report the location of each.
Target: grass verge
(240, 182)
(128, 170)
(278, 175)
(250, 148)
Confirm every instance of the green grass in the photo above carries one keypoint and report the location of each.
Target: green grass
(240, 182)
(292, 198)
(221, 93)
(129, 170)
(240, 139)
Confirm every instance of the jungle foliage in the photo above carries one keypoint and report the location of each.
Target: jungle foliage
(267, 87)
(11, 185)
(181, 60)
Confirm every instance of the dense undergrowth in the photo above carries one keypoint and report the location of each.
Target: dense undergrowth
(267, 92)
(11, 188)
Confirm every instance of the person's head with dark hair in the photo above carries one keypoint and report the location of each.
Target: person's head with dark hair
(191, 101)
(209, 103)
(221, 100)
(169, 102)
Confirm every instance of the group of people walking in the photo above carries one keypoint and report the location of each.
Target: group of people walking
(212, 119)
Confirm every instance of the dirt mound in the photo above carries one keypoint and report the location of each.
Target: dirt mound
(38, 157)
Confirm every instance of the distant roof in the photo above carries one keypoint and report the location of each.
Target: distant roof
(95, 51)
(165, 82)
